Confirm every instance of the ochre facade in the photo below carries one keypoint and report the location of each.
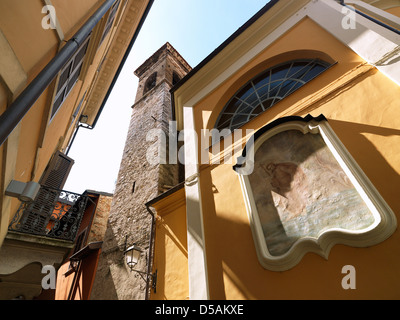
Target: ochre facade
(26, 49)
(361, 103)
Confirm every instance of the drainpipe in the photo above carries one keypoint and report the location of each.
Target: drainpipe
(342, 2)
(149, 264)
(17, 110)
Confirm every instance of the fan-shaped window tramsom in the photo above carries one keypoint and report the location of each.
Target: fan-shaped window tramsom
(267, 89)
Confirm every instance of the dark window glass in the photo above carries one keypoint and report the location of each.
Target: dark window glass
(175, 78)
(110, 21)
(150, 83)
(267, 89)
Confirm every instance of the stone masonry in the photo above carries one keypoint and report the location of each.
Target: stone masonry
(139, 181)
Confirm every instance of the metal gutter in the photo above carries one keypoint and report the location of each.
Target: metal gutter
(382, 24)
(18, 109)
(151, 251)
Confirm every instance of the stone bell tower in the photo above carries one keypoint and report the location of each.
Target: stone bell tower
(139, 180)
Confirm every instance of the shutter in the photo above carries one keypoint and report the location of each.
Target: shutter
(110, 21)
(37, 216)
(57, 171)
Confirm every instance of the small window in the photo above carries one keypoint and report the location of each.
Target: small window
(150, 83)
(267, 89)
(69, 75)
(175, 78)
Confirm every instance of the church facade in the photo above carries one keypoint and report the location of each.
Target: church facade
(288, 134)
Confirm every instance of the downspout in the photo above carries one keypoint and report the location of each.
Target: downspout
(342, 2)
(18, 109)
(150, 264)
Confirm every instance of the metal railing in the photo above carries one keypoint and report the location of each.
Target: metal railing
(54, 214)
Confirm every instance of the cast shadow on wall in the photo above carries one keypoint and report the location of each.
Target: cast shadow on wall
(224, 258)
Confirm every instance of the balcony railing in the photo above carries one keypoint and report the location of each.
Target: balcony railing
(54, 214)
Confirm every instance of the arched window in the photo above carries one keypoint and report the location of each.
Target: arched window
(267, 89)
(175, 78)
(150, 83)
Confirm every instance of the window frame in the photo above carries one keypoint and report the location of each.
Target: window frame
(73, 76)
(112, 15)
(268, 73)
(385, 219)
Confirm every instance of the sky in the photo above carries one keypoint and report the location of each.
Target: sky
(195, 28)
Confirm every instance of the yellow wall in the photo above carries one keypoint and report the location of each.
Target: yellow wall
(32, 47)
(361, 105)
(170, 251)
(395, 11)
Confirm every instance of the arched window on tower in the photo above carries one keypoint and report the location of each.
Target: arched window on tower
(175, 78)
(150, 83)
(267, 89)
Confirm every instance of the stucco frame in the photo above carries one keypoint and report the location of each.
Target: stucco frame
(385, 221)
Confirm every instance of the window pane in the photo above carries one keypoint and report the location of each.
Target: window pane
(64, 76)
(58, 103)
(269, 87)
(245, 92)
(79, 57)
(73, 80)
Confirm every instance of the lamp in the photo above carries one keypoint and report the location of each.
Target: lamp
(132, 255)
(25, 192)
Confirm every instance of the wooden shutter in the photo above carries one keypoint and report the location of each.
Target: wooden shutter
(57, 171)
(110, 21)
(69, 75)
(37, 216)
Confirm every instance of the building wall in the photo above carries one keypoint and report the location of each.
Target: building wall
(37, 138)
(361, 105)
(78, 285)
(170, 249)
(26, 49)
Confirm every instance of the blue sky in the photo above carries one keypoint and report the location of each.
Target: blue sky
(195, 28)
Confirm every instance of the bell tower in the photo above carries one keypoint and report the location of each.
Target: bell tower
(140, 179)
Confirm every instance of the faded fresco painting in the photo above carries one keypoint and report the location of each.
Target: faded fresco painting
(300, 190)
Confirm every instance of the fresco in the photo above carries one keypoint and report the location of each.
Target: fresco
(300, 190)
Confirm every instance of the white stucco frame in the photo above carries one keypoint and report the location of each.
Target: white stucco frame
(385, 221)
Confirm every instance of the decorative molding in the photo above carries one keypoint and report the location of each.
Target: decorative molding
(197, 259)
(384, 221)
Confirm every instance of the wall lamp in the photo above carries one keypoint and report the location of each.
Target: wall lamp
(132, 255)
(25, 192)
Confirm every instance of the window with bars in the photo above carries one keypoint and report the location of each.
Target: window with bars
(69, 75)
(267, 89)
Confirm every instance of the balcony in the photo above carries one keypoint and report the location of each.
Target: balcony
(55, 214)
(42, 233)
